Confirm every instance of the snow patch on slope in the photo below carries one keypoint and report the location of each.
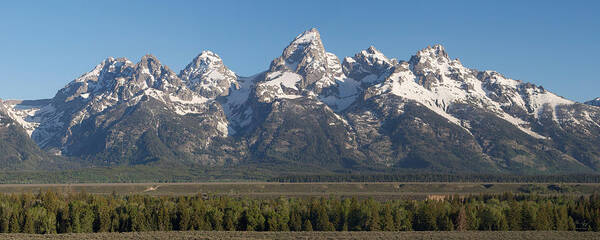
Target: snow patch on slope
(235, 105)
(285, 79)
(25, 115)
(452, 83)
(195, 100)
(348, 90)
(541, 99)
(403, 84)
(279, 85)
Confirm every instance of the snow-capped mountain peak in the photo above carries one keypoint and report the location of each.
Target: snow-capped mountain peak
(433, 80)
(303, 69)
(150, 65)
(150, 59)
(109, 64)
(436, 51)
(368, 65)
(208, 76)
(307, 37)
(374, 57)
(305, 51)
(113, 82)
(101, 79)
(151, 74)
(432, 65)
(204, 62)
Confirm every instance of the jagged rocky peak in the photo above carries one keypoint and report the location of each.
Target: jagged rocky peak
(118, 79)
(202, 63)
(309, 36)
(432, 59)
(304, 69)
(113, 83)
(437, 52)
(432, 66)
(149, 62)
(305, 48)
(100, 79)
(106, 69)
(367, 65)
(306, 56)
(151, 72)
(208, 76)
(375, 57)
(108, 65)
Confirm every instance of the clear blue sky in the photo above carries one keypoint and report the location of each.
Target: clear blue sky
(46, 44)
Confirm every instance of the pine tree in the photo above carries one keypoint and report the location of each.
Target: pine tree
(461, 222)
(424, 219)
(322, 220)
(5, 215)
(388, 219)
(252, 219)
(229, 220)
(307, 225)
(513, 215)
(295, 221)
(372, 222)
(527, 217)
(544, 218)
(560, 219)
(571, 226)
(183, 216)
(15, 224)
(215, 218)
(356, 216)
(402, 219)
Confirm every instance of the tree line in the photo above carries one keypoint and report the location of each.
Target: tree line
(50, 212)
(441, 177)
(130, 174)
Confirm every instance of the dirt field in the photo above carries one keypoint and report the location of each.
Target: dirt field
(271, 190)
(315, 235)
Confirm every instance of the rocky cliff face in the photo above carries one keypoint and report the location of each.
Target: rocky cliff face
(368, 112)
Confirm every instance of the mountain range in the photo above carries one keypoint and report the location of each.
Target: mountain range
(309, 111)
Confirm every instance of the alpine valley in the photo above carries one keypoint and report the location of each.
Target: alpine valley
(309, 112)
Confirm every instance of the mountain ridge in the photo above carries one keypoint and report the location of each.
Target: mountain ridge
(311, 109)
